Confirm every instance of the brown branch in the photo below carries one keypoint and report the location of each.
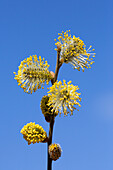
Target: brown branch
(49, 142)
(58, 65)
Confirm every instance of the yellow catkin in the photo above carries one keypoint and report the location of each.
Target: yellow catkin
(33, 73)
(73, 51)
(46, 110)
(63, 97)
(33, 133)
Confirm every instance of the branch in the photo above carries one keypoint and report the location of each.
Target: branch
(49, 142)
(58, 65)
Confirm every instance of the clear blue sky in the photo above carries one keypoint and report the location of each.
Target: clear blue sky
(30, 27)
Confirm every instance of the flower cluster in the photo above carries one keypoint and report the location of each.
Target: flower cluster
(54, 151)
(73, 51)
(63, 97)
(33, 73)
(46, 110)
(33, 133)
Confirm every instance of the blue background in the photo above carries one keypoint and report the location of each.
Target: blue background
(30, 27)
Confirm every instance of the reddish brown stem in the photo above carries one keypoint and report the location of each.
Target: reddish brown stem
(58, 65)
(49, 142)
